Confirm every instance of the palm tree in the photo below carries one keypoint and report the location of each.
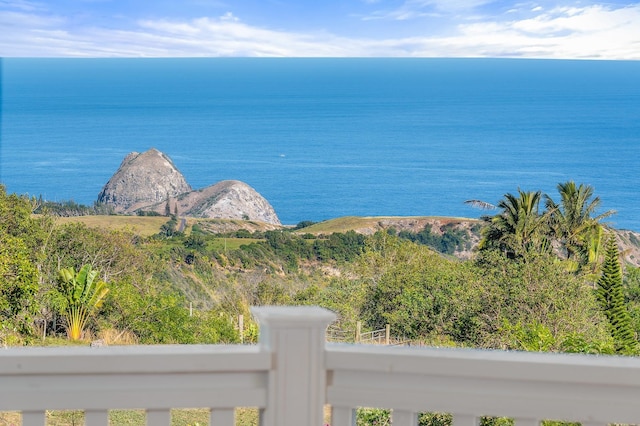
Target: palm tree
(519, 228)
(573, 222)
(82, 295)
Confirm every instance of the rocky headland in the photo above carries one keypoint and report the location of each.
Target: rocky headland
(150, 182)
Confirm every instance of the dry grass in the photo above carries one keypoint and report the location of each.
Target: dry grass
(182, 417)
(111, 336)
(141, 225)
(10, 418)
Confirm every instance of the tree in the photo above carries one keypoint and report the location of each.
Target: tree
(81, 295)
(610, 293)
(18, 285)
(519, 228)
(167, 206)
(573, 222)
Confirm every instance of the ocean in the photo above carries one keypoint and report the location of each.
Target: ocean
(324, 138)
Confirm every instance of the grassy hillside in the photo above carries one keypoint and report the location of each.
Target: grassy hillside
(142, 225)
(370, 225)
(149, 225)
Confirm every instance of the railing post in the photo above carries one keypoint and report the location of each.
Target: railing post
(295, 336)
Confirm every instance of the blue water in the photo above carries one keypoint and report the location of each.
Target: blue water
(323, 138)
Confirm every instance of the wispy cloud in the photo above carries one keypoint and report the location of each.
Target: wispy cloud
(415, 9)
(564, 32)
(24, 5)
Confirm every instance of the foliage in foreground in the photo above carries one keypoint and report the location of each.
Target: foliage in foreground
(80, 295)
(531, 301)
(610, 293)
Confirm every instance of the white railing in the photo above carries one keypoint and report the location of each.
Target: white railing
(291, 374)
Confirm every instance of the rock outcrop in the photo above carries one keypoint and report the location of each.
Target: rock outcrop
(148, 181)
(229, 199)
(142, 180)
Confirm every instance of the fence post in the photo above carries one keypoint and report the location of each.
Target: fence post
(295, 336)
(387, 335)
(358, 331)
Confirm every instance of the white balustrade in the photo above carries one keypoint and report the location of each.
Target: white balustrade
(292, 373)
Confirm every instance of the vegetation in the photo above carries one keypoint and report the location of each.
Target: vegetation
(81, 294)
(68, 208)
(571, 229)
(610, 294)
(451, 239)
(545, 278)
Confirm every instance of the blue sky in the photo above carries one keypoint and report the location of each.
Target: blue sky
(308, 28)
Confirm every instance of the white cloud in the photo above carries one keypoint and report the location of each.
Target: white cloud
(588, 32)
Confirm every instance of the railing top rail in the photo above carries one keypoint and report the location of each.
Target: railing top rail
(523, 385)
(136, 359)
(494, 364)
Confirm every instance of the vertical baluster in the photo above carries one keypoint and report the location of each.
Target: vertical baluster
(222, 417)
(341, 416)
(465, 420)
(159, 417)
(404, 418)
(96, 418)
(34, 418)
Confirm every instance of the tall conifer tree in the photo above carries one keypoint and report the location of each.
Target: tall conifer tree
(611, 296)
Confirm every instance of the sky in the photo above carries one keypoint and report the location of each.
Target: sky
(557, 29)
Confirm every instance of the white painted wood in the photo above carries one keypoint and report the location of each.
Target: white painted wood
(96, 418)
(404, 418)
(465, 420)
(530, 422)
(133, 391)
(292, 374)
(34, 418)
(520, 385)
(133, 377)
(341, 416)
(295, 336)
(136, 359)
(159, 417)
(222, 417)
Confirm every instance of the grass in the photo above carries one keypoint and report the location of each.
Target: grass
(341, 224)
(220, 244)
(182, 417)
(348, 223)
(150, 225)
(141, 225)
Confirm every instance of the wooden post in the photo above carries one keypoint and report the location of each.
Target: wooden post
(358, 331)
(241, 327)
(388, 335)
(295, 336)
